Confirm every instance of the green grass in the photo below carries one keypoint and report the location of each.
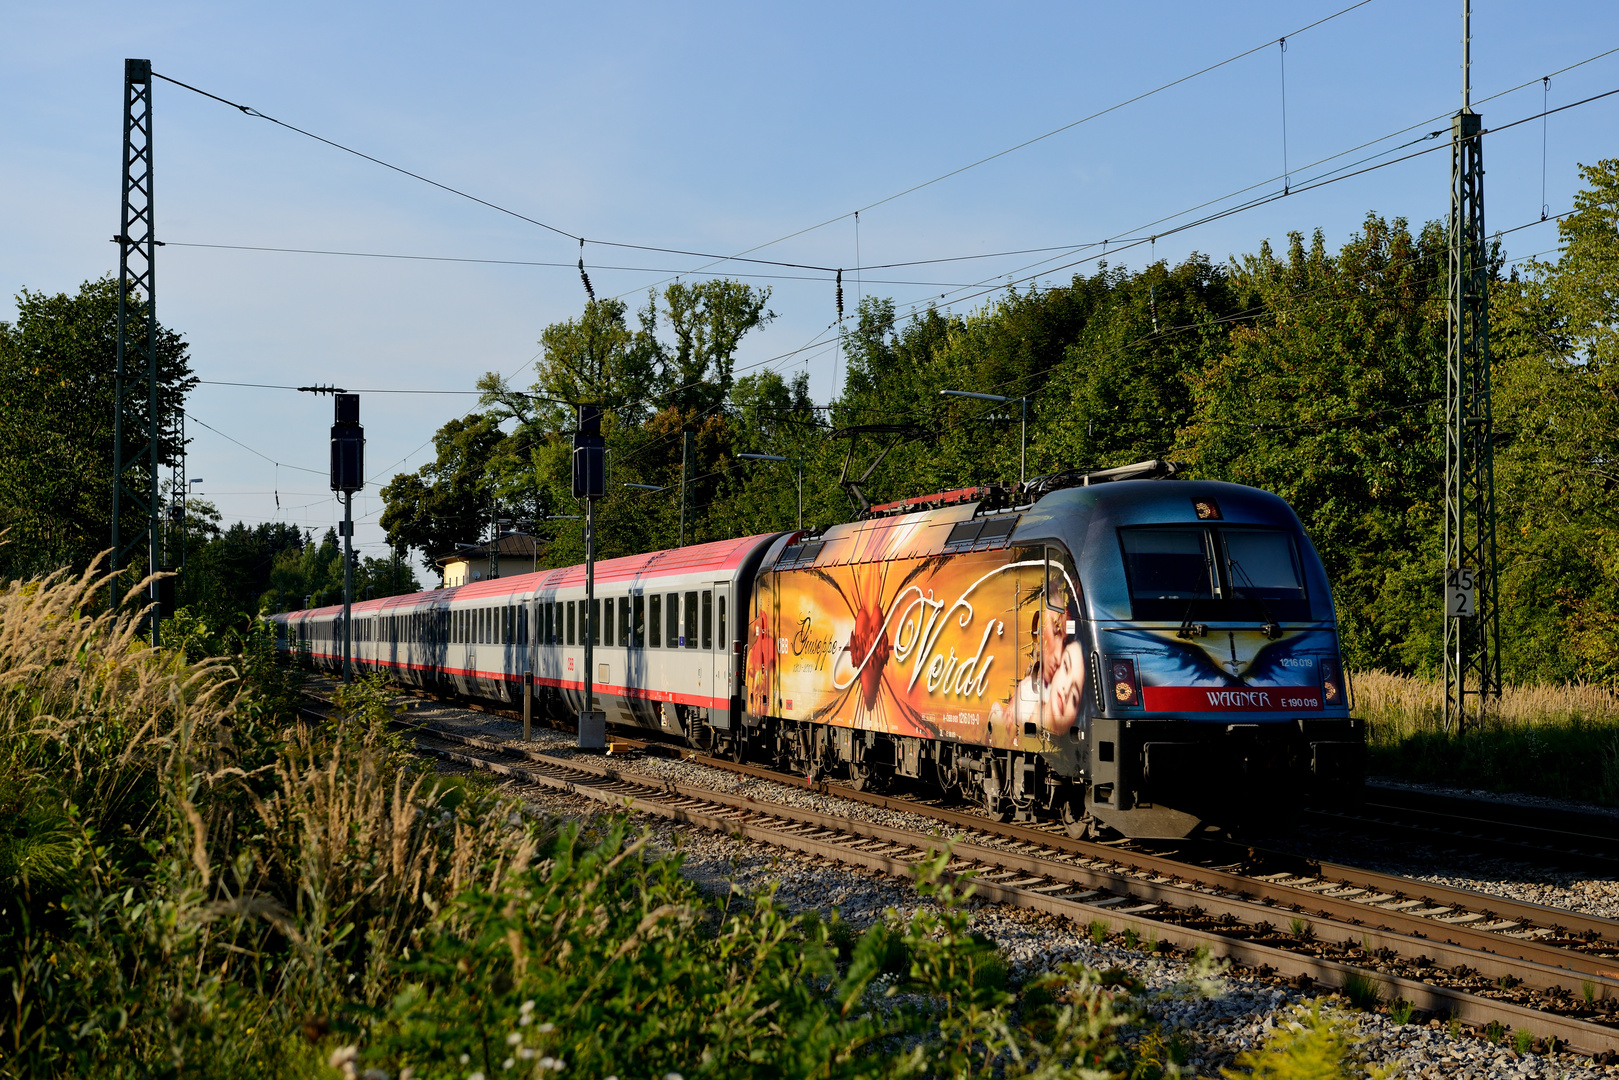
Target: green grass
(1560, 741)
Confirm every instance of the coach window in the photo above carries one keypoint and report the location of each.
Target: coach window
(708, 618)
(571, 635)
(654, 622)
(547, 625)
(605, 636)
(623, 622)
(595, 622)
(671, 623)
(691, 620)
(723, 639)
(638, 626)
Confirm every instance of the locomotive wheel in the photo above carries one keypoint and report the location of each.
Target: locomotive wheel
(1078, 826)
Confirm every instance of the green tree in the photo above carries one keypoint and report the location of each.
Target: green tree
(1555, 339)
(1330, 398)
(450, 500)
(56, 422)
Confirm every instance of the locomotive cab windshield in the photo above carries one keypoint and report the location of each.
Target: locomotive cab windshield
(1225, 574)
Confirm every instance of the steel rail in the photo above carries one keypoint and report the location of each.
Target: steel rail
(898, 853)
(1513, 840)
(1329, 890)
(1450, 900)
(1537, 966)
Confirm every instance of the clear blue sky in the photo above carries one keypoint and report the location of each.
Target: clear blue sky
(712, 128)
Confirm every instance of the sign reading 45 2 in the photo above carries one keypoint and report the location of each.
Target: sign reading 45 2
(1459, 592)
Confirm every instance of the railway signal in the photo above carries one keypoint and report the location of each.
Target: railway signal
(348, 476)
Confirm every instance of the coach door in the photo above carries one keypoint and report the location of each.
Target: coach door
(717, 633)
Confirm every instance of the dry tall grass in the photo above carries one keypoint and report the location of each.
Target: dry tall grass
(1560, 740)
(1412, 704)
(202, 839)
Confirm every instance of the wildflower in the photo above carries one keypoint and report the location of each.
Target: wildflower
(673, 1076)
(513, 1039)
(343, 1059)
(465, 1059)
(508, 1063)
(475, 1075)
(546, 1028)
(525, 1020)
(373, 1074)
(526, 1053)
(526, 1007)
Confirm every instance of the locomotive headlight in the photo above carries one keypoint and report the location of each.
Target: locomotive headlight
(1332, 684)
(1126, 686)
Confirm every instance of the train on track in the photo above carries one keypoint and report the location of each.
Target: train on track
(1119, 650)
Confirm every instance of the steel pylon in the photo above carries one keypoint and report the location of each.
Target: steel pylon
(135, 451)
(1472, 624)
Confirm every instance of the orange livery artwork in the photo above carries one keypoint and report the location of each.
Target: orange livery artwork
(971, 647)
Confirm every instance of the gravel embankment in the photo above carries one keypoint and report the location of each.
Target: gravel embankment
(1221, 1019)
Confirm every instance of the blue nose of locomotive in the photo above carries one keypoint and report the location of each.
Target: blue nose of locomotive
(1215, 664)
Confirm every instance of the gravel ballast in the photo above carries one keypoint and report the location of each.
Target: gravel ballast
(1238, 1014)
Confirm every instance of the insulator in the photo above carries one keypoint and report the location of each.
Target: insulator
(840, 296)
(584, 277)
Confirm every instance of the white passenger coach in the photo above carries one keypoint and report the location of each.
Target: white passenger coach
(668, 646)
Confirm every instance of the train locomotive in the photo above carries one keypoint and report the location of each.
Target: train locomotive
(1118, 651)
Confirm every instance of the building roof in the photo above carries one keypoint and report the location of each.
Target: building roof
(515, 544)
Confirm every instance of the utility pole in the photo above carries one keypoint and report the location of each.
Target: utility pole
(1472, 626)
(1023, 424)
(799, 463)
(134, 473)
(590, 484)
(685, 459)
(348, 476)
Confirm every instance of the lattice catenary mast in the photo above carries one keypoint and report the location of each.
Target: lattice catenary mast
(1472, 626)
(135, 465)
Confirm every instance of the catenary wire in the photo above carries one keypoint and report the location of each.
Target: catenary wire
(247, 110)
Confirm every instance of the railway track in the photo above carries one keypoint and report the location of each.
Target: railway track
(1540, 835)
(1480, 959)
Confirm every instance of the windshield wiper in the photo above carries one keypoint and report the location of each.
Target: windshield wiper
(1190, 629)
(1270, 628)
